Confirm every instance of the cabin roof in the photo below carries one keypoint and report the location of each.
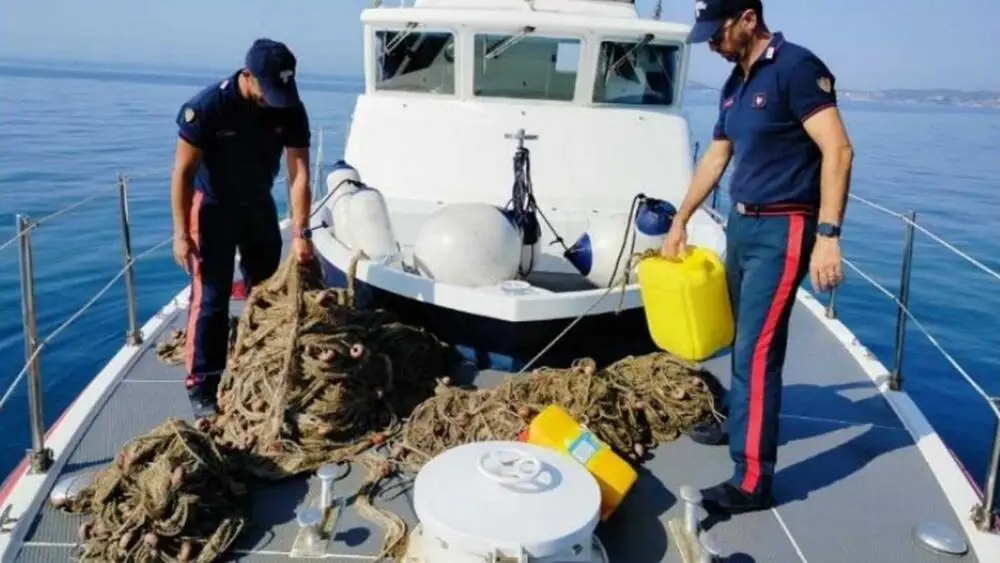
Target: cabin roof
(604, 8)
(500, 18)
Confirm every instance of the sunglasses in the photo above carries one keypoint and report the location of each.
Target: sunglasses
(716, 38)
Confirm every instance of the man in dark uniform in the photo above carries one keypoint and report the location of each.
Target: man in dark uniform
(228, 153)
(778, 119)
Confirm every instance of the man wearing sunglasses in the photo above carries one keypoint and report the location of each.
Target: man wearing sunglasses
(778, 119)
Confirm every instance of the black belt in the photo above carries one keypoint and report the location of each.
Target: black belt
(758, 210)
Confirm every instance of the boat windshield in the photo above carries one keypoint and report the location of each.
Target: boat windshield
(636, 73)
(413, 60)
(526, 66)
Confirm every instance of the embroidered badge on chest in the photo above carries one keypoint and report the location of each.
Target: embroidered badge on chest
(758, 101)
(728, 103)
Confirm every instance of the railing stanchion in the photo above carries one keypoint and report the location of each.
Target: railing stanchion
(896, 379)
(134, 336)
(40, 457)
(983, 515)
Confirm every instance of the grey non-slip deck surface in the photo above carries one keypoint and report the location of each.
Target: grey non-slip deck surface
(850, 483)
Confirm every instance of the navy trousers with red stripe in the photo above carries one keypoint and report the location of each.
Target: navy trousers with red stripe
(218, 229)
(767, 257)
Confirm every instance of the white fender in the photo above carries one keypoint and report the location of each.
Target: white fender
(360, 215)
(596, 253)
(470, 244)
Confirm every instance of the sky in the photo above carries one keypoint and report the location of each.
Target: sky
(869, 44)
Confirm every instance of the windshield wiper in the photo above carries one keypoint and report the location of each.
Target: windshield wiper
(499, 48)
(646, 39)
(410, 26)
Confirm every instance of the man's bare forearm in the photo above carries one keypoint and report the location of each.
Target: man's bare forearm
(706, 176)
(835, 180)
(301, 200)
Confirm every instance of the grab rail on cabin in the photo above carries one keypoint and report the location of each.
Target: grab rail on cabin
(983, 515)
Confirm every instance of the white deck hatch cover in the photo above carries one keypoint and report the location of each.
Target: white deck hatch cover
(507, 499)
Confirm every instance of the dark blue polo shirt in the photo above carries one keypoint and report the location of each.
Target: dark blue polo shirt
(241, 142)
(775, 160)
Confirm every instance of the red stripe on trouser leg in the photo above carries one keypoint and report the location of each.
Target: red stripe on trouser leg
(758, 365)
(194, 308)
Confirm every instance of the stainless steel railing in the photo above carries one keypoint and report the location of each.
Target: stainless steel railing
(40, 456)
(983, 514)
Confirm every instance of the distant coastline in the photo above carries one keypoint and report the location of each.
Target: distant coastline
(345, 82)
(936, 96)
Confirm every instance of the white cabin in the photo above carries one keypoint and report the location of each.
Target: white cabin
(596, 88)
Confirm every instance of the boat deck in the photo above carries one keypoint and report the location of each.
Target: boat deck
(851, 484)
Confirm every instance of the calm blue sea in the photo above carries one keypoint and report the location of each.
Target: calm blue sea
(66, 131)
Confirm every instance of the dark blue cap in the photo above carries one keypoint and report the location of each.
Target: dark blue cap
(711, 14)
(273, 65)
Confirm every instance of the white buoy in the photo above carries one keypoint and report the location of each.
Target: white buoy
(498, 500)
(470, 244)
(603, 250)
(341, 182)
(359, 214)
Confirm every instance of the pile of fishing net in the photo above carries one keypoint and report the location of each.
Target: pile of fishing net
(168, 496)
(313, 380)
(632, 405)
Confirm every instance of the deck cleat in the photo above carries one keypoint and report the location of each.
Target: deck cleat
(319, 518)
(327, 474)
(309, 541)
(694, 546)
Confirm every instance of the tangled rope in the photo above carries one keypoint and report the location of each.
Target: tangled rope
(632, 405)
(313, 380)
(168, 496)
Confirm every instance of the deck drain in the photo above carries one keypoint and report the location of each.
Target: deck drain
(940, 539)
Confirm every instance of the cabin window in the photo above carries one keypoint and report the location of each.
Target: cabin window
(636, 73)
(415, 61)
(526, 67)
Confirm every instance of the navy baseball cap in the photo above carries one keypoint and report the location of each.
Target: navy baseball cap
(273, 65)
(711, 14)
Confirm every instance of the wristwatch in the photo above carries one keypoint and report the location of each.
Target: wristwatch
(828, 230)
(305, 233)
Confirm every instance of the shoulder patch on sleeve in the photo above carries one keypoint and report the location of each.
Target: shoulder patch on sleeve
(189, 115)
(824, 84)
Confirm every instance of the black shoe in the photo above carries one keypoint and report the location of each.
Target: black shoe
(726, 498)
(202, 394)
(711, 433)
